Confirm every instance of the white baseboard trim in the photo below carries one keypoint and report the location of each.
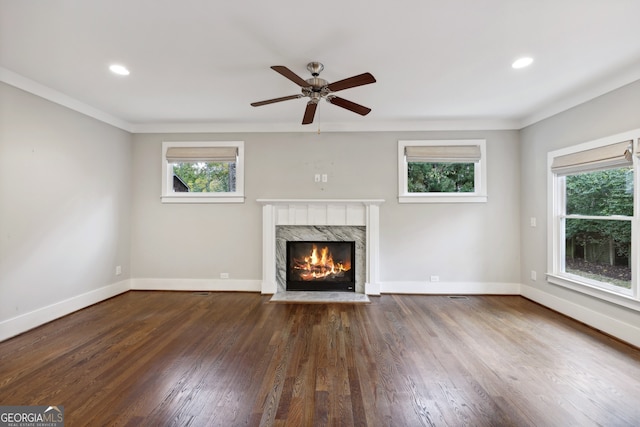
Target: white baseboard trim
(20, 324)
(614, 327)
(372, 289)
(448, 288)
(196, 285)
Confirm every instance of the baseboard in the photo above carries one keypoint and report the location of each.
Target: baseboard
(20, 324)
(196, 285)
(447, 288)
(614, 327)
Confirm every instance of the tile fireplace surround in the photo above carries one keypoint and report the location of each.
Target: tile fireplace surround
(320, 214)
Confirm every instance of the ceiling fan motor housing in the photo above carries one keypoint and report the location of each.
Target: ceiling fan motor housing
(317, 83)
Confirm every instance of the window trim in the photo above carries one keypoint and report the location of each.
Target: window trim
(168, 196)
(555, 211)
(480, 176)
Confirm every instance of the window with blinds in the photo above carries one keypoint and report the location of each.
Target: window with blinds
(202, 172)
(441, 171)
(591, 216)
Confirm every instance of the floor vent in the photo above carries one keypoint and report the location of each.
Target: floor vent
(457, 297)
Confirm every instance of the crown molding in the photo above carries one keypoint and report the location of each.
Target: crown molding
(585, 93)
(364, 126)
(35, 88)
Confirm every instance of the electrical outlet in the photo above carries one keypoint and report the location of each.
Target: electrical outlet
(534, 275)
(325, 178)
(533, 221)
(434, 278)
(118, 270)
(224, 275)
(317, 177)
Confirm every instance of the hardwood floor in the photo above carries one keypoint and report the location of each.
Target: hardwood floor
(230, 359)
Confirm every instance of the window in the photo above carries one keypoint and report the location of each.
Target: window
(442, 171)
(592, 218)
(203, 172)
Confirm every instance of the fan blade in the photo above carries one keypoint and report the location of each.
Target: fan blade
(359, 80)
(290, 75)
(271, 101)
(351, 106)
(309, 112)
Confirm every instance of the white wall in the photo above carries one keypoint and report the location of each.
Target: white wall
(615, 112)
(65, 206)
(470, 246)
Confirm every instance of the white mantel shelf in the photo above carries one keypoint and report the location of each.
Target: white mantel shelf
(320, 201)
(316, 212)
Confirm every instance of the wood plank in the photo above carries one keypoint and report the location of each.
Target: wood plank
(194, 358)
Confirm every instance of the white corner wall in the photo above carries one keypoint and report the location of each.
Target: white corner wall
(473, 248)
(612, 113)
(65, 186)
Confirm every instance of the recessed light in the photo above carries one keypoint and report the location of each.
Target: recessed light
(522, 62)
(119, 69)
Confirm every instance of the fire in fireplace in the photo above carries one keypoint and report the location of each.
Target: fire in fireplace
(320, 266)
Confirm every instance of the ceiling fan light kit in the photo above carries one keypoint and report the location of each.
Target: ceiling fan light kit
(316, 88)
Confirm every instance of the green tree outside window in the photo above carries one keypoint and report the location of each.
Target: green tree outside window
(426, 177)
(201, 177)
(592, 244)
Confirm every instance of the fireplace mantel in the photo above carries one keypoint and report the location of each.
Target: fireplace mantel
(315, 212)
(321, 201)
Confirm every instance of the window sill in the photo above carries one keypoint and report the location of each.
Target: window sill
(202, 199)
(626, 301)
(442, 198)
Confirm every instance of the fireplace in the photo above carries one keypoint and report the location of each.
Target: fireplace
(321, 266)
(320, 220)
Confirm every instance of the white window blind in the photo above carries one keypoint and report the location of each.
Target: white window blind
(443, 153)
(605, 157)
(201, 154)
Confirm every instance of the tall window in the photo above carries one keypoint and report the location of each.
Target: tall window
(202, 172)
(592, 233)
(441, 171)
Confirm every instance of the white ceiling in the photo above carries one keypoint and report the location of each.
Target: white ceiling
(202, 62)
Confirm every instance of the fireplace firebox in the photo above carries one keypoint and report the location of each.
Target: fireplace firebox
(320, 266)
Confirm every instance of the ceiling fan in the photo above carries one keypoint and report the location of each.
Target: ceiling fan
(316, 88)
